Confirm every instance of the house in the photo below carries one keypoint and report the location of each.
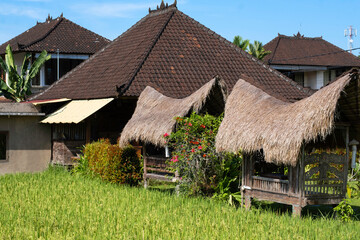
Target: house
(68, 43)
(166, 50)
(25, 145)
(311, 62)
(278, 141)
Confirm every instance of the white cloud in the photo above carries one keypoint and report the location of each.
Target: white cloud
(23, 11)
(120, 10)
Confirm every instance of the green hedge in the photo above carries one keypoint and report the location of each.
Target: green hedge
(112, 163)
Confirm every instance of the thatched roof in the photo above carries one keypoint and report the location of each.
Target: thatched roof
(155, 113)
(255, 120)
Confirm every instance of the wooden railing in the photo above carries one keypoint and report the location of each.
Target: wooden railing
(325, 175)
(270, 184)
(155, 167)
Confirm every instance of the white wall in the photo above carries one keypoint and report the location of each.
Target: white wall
(310, 79)
(317, 79)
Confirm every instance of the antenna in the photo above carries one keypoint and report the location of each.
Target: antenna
(350, 32)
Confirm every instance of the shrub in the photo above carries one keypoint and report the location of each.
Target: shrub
(111, 163)
(200, 167)
(344, 211)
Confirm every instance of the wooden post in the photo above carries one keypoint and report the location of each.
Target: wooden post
(145, 163)
(247, 202)
(243, 180)
(301, 180)
(296, 210)
(88, 131)
(346, 163)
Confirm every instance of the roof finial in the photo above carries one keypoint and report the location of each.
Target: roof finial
(61, 15)
(163, 6)
(298, 35)
(49, 18)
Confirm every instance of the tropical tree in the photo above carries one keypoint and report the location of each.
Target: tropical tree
(241, 43)
(18, 84)
(257, 50)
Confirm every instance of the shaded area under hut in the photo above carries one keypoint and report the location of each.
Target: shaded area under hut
(283, 143)
(155, 115)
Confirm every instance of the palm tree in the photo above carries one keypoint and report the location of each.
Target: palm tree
(243, 44)
(17, 87)
(257, 50)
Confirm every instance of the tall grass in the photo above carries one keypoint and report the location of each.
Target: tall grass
(56, 205)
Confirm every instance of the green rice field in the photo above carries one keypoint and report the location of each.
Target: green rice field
(57, 205)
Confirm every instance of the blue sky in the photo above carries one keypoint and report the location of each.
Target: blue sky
(256, 20)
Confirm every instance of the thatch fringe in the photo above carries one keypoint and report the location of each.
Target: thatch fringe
(254, 120)
(155, 113)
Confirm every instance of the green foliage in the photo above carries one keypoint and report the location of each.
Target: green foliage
(110, 162)
(257, 50)
(344, 211)
(195, 157)
(18, 86)
(56, 205)
(241, 43)
(227, 187)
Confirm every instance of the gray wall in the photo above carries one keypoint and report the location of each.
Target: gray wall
(29, 144)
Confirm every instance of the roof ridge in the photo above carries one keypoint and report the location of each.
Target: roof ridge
(259, 62)
(299, 37)
(97, 53)
(45, 35)
(273, 53)
(125, 88)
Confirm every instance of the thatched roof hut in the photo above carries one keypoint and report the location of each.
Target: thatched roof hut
(155, 113)
(255, 120)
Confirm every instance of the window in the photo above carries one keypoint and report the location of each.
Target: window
(299, 78)
(3, 145)
(48, 73)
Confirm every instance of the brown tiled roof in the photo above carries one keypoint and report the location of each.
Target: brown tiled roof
(172, 53)
(300, 50)
(53, 34)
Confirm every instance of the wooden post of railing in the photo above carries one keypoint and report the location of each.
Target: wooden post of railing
(145, 163)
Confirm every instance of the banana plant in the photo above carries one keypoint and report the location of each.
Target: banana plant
(18, 84)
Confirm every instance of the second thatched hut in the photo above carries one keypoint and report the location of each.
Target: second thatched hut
(281, 142)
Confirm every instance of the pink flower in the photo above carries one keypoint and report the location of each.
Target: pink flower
(192, 150)
(199, 147)
(166, 135)
(190, 124)
(175, 159)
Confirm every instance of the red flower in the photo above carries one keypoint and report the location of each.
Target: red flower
(166, 135)
(203, 126)
(199, 147)
(192, 150)
(190, 124)
(204, 155)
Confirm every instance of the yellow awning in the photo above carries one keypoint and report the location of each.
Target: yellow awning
(76, 111)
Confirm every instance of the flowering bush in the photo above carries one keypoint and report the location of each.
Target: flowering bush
(194, 156)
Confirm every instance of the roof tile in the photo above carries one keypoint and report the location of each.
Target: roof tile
(143, 56)
(53, 34)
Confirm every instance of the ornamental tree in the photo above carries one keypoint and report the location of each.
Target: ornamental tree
(194, 156)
